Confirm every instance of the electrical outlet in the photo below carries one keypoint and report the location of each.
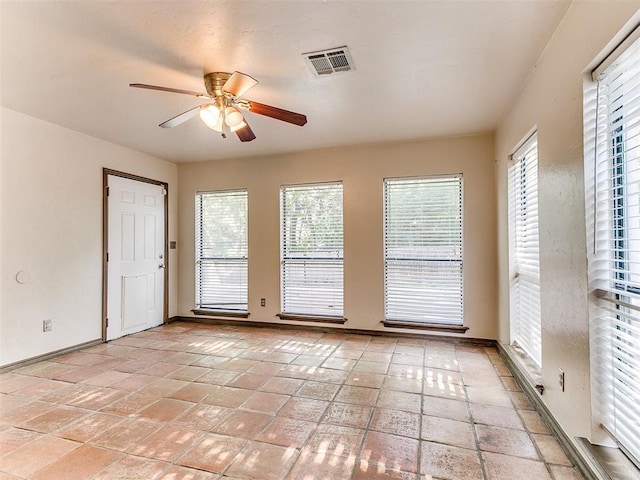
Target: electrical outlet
(47, 325)
(263, 302)
(561, 379)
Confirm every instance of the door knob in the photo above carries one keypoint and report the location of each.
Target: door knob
(161, 265)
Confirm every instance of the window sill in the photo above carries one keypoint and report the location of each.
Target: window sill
(311, 318)
(609, 461)
(221, 313)
(439, 327)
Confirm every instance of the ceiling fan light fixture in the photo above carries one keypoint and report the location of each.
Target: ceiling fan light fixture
(210, 115)
(233, 116)
(238, 127)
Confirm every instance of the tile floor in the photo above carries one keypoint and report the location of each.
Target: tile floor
(189, 401)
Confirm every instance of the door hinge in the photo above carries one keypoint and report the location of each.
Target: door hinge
(164, 191)
(106, 323)
(107, 188)
(107, 256)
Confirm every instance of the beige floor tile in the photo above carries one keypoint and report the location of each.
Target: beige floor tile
(287, 432)
(371, 367)
(320, 466)
(336, 440)
(213, 453)
(53, 419)
(262, 461)
(130, 404)
(165, 410)
(445, 408)
(520, 401)
(188, 373)
(183, 473)
(166, 444)
(134, 382)
(10, 382)
(304, 408)
(364, 379)
(228, 397)
(565, 473)
(357, 395)
(380, 472)
(448, 462)
(106, 379)
(265, 402)
(496, 416)
(318, 390)
(349, 415)
(489, 396)
(400, 384)
(36, 454)
(339, 363)
(284, 386)
(243, 424)
(217, 377)
(87, 427)
(125, 434)
(163, 387)
(203, 417)
(9, 402)
(397, 422)
(27, 411)
(506, 441)
(408, 402)
(391, 451)
(42, 387)
(550, 449)
(194, 392)
(533, 422)
(132, 468)
(447, 431)
(79, 464)
(503, 467)
(13, 438)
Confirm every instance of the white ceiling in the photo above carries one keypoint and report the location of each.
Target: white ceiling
(423, 68)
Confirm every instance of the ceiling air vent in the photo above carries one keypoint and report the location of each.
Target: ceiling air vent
(330, 61)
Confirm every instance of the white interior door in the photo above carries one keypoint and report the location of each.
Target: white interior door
(135, 267)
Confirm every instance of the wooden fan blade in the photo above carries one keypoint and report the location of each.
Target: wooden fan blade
(245, 134)
(183, 117)
(277, 113)
(167, 89)
(238, 84)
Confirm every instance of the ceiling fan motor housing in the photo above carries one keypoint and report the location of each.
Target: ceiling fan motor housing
(214, 81)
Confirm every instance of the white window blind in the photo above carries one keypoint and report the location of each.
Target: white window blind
(525, 250)
(615, 269)
(221, 250)
(423, 250)
(312, 250)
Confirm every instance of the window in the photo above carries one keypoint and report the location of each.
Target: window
(221, 250)
(614, 272)
(524, 250)
(423, 250)
(312, 250)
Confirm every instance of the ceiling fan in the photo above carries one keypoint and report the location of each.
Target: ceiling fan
(223, 108)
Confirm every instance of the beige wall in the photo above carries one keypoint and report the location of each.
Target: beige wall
(552, 101)
(51, 227)
(362, 169)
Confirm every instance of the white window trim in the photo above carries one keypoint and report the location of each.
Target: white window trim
(240, 306)
(304, 305)
(524, 251)
(421, 311)
(614, 302)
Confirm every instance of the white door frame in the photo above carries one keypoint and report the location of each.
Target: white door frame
(105, 242)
